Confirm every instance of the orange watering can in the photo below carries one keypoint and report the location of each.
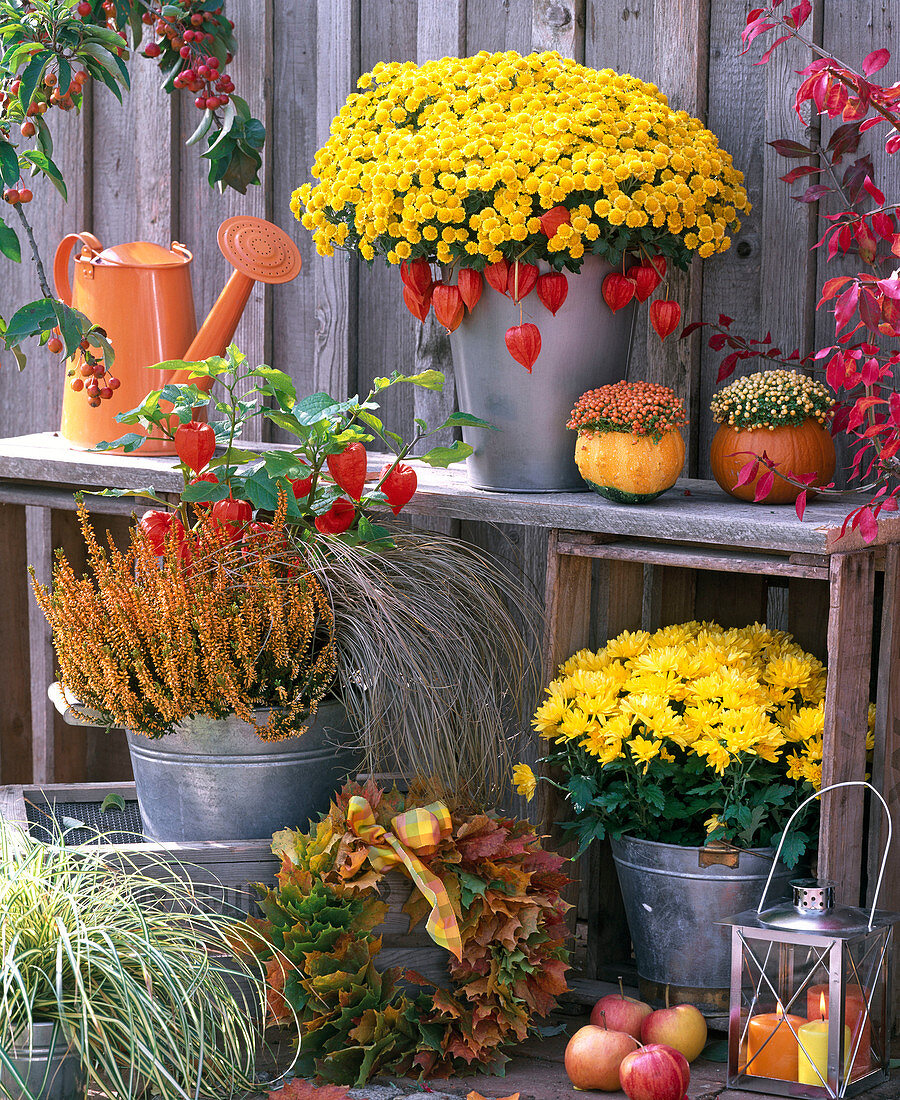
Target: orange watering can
(140, 293)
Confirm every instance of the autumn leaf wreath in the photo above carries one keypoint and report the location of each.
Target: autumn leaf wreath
(491, 895)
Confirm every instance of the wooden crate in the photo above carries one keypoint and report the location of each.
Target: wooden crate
(222, 871)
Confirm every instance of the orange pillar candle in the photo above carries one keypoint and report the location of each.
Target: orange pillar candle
(855, 1017)
(776, 1057)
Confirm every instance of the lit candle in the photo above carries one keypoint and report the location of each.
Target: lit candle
(772, 1046)
(813, 1052)
(855, 1017)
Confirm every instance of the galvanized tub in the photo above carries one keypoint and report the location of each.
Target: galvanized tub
(217, 780)
(584, 346)
(673, 897)
(48, 1067)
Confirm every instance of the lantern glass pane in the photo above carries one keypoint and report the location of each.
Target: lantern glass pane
(776, 978)
(809, 1014)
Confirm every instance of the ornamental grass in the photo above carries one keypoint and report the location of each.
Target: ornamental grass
(693, 732)
(215, 625)
(773, 399)
(141, 979)
(456, 160)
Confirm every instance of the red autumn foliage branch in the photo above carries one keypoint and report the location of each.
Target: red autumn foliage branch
(865, 305)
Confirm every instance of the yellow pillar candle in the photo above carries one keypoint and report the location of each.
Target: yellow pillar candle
(813, 1052)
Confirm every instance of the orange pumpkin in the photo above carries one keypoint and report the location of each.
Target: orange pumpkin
(806, 448)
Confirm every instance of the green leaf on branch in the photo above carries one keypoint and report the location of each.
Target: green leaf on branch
(315, 407)
(9, 164)
(128, 443)
(202, 130)
(427, 380)
(31, 320)
(34, 70)
(112, 802)
(9, 244)
(467, 420)
(287, 422)
(445, 456)
(205, 491)
(40, 162)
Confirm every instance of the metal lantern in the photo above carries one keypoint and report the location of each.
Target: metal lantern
(811, 990)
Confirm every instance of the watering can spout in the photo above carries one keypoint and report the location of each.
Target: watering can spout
(259, 252)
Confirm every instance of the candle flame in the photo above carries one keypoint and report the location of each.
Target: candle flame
(822, 1006)
(780, 1007)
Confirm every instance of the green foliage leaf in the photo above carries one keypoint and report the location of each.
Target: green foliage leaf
(426, 380)
(128, 443)
(467, 420)
(31, 320)
(205, 491)
(9, 164)
(445, 456)
(9, 243)
(34, 70)
(314, 408)
(112, 802)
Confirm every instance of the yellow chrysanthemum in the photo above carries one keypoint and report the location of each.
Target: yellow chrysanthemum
(459, 140)
(524, 780)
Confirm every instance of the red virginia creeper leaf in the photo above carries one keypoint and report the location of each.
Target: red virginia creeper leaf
(800, 505)
(876, 60)
(764, 486)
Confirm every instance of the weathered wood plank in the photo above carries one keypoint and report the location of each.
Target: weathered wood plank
(337, 52)
(686, 557)
(15, 614)
(388, 332)
(39, 551)
(846, 708)
(886, 752)
(498, 25)
(808, 615)
(718, 598)
(292, 147)
(694, 512)
(559, 25)
(32, 401)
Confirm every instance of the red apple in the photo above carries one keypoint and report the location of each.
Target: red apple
(594, 1055)
(654, 1072)
(620, 1013)
(682, 1027)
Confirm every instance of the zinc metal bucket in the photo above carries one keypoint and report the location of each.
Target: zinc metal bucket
(584, 346)
(673, 897)
(217, 780)
(46, 1065)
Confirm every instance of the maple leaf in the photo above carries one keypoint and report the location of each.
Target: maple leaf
(301, 1089)
(477, 1096)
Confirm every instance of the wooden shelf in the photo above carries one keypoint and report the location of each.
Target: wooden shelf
(693, 511)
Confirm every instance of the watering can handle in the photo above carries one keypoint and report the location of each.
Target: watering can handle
(812, 798)
(61, 261)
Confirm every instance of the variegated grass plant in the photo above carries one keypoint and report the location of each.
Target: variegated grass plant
(435, 646)
(144, 984)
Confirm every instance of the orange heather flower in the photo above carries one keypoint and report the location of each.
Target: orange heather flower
(150, 640)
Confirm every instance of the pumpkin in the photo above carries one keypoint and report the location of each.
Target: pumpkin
(628, 468)
(800, 449)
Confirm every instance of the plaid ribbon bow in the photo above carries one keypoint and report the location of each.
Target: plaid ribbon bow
(424, 827)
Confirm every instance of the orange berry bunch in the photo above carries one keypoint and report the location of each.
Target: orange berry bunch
(642, 408)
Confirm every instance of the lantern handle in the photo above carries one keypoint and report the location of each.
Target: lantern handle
(812, 798)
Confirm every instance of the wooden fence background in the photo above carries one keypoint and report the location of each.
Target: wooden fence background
(340, 323)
